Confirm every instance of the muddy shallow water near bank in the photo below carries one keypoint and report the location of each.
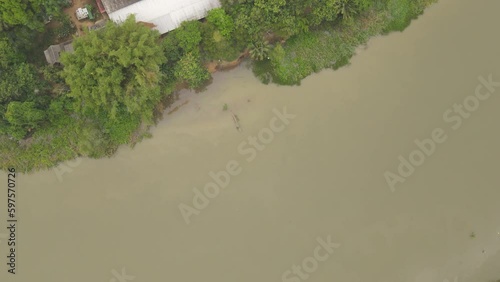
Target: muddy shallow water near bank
(319, 177)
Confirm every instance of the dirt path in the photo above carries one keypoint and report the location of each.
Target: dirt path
(82, 26)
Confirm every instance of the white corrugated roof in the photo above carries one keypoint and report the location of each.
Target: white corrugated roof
(166, 14)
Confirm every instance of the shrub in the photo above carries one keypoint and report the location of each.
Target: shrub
(188, 35)
(217, 47)
(190, 70)
(67, 27)
(222, 21)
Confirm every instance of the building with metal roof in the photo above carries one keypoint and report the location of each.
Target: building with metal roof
(114, 5)
(165, 15)
(53, 53)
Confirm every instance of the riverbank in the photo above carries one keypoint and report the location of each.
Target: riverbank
(322, 175)
(286, 61)
(333, 45)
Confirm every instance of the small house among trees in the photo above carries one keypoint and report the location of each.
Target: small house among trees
(53, 53)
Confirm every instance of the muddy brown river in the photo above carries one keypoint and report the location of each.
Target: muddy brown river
(385, 170)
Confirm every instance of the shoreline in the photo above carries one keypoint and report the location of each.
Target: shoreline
(286, 72)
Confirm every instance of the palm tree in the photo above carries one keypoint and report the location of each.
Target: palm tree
(259, 50)
(346, 8)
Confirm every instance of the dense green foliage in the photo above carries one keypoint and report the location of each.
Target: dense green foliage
(22, 93)
(108, 89)
(29, 13)
(23, 117)
(116, 69)
(259, 50)
(318, 34)
(188, 35)
(112, 87)
(328, 47)
(222, 21)
(189, 70)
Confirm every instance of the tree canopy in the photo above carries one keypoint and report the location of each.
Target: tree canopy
(23, 117)
(189, 69)
(29, 13)
(188, 35)
(222, 21)
(115, 69)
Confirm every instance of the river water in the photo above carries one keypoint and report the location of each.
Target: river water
(314, 193)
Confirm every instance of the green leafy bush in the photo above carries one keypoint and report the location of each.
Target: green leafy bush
(222, 21)
(188, 35)
(190, 70)
(23, 117)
